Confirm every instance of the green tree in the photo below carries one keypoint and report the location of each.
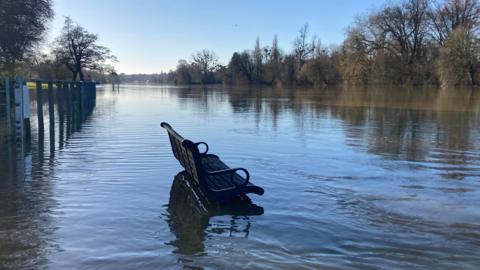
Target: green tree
(183, 73)
(241, 68)
(22, 25)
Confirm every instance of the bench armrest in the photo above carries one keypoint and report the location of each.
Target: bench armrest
(231, 172)
(206, 145)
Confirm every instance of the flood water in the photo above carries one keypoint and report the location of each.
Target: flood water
(353, 179)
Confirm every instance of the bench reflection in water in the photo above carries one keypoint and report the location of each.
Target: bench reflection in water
(190, 212)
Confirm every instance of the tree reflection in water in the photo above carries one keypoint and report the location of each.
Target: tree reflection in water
(393, 122)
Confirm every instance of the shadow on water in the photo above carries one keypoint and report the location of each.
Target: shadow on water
(190, 212)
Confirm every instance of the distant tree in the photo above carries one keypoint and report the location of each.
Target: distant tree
(49, 67)
(459, 61)
(275, 53)
(183, 73)
(404, 27)
(241, 68)
(404, 42)
(455, 25)
(397, 38)
(324, 68)
(303, 48)
(258, 61)
(207, 63)
(289, 69)
(22, 25)
(274, 63)
(78, 50)
(355, 63)
(448, 15)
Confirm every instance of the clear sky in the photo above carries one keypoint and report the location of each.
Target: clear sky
(150, 36)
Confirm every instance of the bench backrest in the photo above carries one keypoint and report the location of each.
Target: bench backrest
(186, 152)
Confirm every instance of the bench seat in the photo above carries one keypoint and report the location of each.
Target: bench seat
(219, 181)
(226, 184)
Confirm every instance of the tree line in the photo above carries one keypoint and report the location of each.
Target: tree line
(74, 54)
(409, 42)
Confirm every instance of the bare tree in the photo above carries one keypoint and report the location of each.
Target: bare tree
(396, 38)
(22, 24)
(404, 27)
(355, 62)
(274, 63)
(458, 61)
(303, 48)
(207, 62)
(79, 50)
(451, 14)
(275, 53)
(258, 61)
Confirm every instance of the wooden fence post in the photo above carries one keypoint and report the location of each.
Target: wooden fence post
(51, 117)
(7, 107)
(68, 105)
(82, 95)
(77, 102)
(61, 112)
(74, 101)
(40, 109)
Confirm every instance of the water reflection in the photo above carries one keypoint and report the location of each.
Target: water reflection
(25, 223)
(191, 214)
(408, 123)
(26, 187)
(356, 178)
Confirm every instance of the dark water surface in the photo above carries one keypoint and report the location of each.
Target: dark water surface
(354, 178)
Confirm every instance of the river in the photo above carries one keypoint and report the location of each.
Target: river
(354, 178)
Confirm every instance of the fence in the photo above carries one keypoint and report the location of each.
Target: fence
(73, 100)
(5, 108)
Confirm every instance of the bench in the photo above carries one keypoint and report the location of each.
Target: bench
(219, 181)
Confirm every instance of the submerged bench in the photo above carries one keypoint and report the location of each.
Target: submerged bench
(217, 179)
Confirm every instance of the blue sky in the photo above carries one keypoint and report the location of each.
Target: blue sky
(150, 36)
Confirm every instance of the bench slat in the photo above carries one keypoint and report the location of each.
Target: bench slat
(222, 186)
(223, 180)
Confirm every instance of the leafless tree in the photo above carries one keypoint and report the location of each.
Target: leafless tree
(402, 29)
(207, 62)
(258, 61)
(303, 48)
(274, 63)
(275, 53)
(79, 50)
(458, 62)
(451, 14)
